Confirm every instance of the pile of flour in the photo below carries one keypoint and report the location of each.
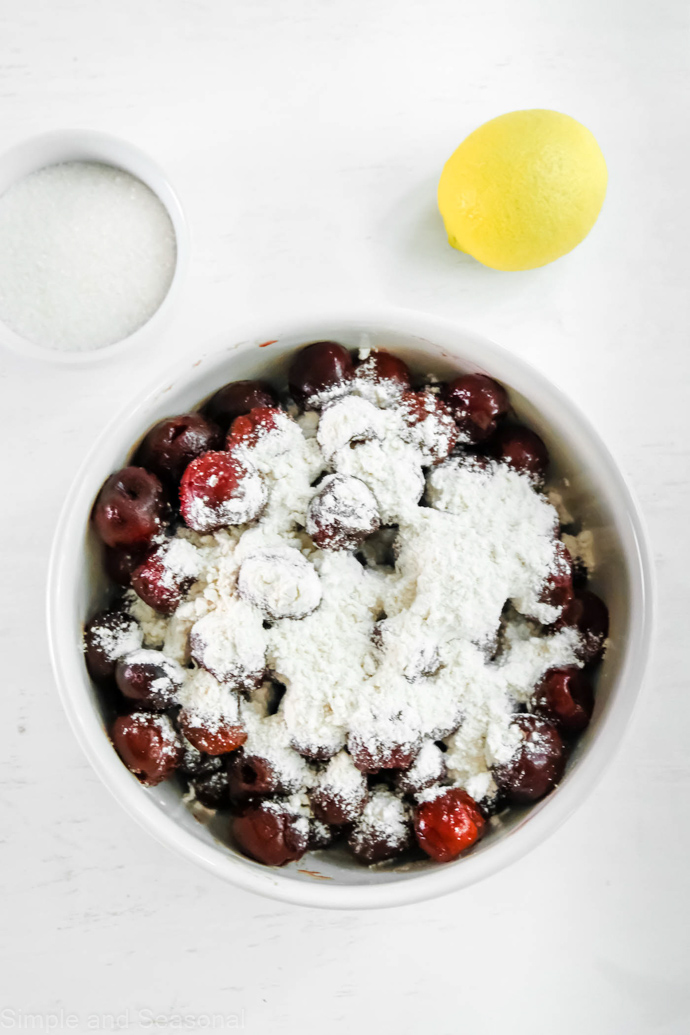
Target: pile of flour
(444, 646)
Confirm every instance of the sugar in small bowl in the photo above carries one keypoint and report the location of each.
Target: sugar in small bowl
(93, 246)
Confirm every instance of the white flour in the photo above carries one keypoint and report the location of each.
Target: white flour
(383, 658)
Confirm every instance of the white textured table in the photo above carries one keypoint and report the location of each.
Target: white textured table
(305, 138)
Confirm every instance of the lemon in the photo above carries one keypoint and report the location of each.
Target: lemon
(523, 189)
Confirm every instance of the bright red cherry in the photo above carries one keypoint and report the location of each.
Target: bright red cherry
(565, 696)
(130, 508)
(522, 449)
(213, 738)
(237, 398)
(319, 372)
(250, 428)
(448, 824)
(537, 763)
(590, 616)
(478, 403)
(148, 745)
(173, 443)
(270, 833)
(217, 490)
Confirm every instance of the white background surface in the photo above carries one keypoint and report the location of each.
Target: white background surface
(306, 138)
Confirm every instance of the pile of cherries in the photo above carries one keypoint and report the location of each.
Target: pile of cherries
(188, 469)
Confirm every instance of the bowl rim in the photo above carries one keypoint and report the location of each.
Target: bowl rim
(432, 883)
(88, 145)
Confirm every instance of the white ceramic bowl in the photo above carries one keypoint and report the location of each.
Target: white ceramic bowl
(82, 145)
(597, 493)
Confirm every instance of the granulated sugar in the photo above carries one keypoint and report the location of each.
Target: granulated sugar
(87, 255)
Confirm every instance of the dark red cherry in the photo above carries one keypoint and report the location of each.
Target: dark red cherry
(431, 424)
(109, 636)
(120, 561)
(320, 835)
(196, 763)
(249, 775)
(158, 584)
(212, 790)
(478, 403)
(148, 745)
(371, 758)
(372, 842)
(173, 443)
(270, 833)
(342, 514)
(448, 824)
(537, 763)
(565, 696)
(334, 808)
(381, 367)
(149, 678)
(237, 398)
(590, 616)
(130, 508)
(318, 370)
(558, 588)
(522, 449)
(216, 737)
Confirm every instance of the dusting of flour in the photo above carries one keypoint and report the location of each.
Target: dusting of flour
(445, 646)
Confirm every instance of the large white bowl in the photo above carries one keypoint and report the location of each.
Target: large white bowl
(596, 493)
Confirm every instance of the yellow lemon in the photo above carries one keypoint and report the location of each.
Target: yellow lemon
(523, 189)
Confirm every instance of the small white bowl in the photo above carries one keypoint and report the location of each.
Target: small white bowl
(80, 145)
(596, 492)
